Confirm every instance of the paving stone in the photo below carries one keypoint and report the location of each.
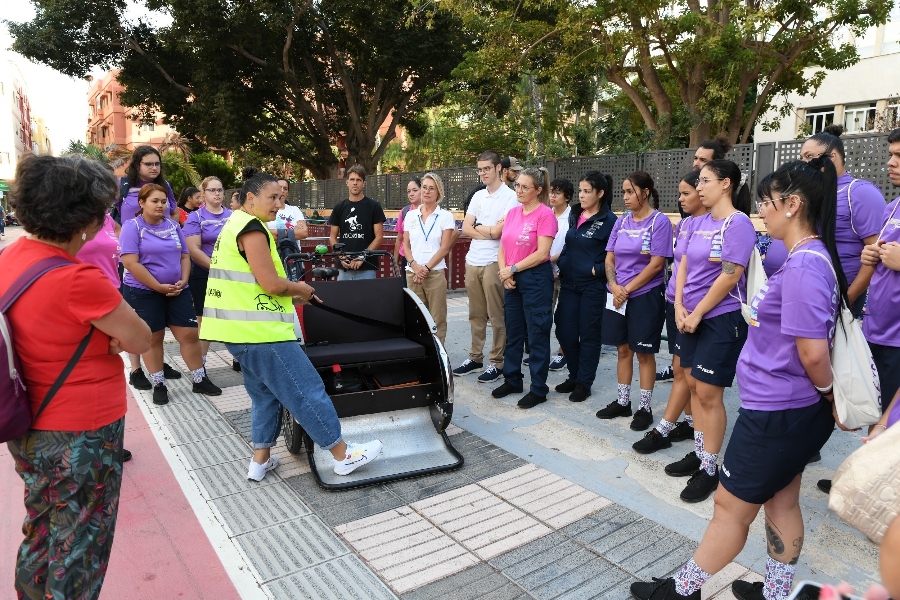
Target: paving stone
(233, 399)
(193, 431)
(336, 508)
(453, 429)
(240, 420)
(647, 534)
(261, 507)
(482, 459)
(413, 490)
(663, 557)
(595, 573)
(605, 522)
(289, 547)
(722, 580)
(196, 408)
(727, 594)
(480, 582)
(225, 377)
(337, 579)
(214, 451)
(617, 592)
(217, 346)
(229, 478)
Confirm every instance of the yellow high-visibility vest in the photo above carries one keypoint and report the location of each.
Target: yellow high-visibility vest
(237, 309)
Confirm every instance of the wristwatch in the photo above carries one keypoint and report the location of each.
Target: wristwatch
(513, 269)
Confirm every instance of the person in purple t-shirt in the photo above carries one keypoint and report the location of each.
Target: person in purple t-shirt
(787, 405)
(709, 288)
(860, 206)
(668, 431)
(635, 310)
(201, 230)
(157, 265)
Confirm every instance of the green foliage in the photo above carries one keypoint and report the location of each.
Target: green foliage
(78, 147)
(210, 164)
(179, 172)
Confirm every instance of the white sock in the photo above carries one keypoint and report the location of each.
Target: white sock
(665, 428)
(646, 396)
(204, 360)
(197, 375)
(689, 419)
(623, 394)
(158, 378)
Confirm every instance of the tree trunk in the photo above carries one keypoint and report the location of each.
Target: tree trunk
(539, 129)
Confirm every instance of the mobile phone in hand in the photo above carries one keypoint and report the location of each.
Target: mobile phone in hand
(809, 590)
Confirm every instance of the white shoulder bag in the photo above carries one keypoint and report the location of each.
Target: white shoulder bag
(755, 273)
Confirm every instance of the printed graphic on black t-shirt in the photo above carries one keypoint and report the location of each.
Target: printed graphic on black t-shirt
(357, 225)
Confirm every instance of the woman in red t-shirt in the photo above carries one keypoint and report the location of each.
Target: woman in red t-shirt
(71, 458)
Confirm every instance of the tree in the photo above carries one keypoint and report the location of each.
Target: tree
(210, 164)
(77, 147)
(729, 59)
(285, 79)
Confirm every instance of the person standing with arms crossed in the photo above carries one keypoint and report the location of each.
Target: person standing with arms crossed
(483, 287)
(358, 222)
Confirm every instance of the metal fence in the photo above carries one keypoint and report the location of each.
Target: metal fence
(867, 157)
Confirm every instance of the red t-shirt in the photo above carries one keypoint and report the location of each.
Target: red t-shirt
(48, 322)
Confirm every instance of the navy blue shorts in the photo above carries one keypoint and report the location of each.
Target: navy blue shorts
(672, 330)
(641, 325)
(197, 287)
(887, 362)
(159, 310)
(768, 449)
(712, 351)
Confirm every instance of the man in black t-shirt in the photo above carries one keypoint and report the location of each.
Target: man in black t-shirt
(357, 222)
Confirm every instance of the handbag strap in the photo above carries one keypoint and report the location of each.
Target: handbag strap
(70, 366)
(357, 318)
(831, 266)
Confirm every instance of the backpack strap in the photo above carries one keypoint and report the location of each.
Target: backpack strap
(737, 286)
(888, 220)
(850, 205)
(831, 266)
(31, 274)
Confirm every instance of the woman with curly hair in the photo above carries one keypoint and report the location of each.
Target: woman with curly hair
(71, 457)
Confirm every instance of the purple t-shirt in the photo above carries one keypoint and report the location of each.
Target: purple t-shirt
(882, 323)
(800, 300)
(867, 212)
(634, 242)
(775, 256)
(159, 249)
(521, 232)
(130, 204)
(207, 225)
(706, 250)
(681, 236)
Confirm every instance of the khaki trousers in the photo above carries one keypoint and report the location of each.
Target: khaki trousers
(486, 300)
(433, 293)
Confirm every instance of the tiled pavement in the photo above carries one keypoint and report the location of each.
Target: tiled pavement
(499, 527)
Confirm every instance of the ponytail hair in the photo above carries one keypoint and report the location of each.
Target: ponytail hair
(816, 184)
(740, 191)
(254, 181)
(600, 183)
(830, 138)
(643, 181)
(541, 178)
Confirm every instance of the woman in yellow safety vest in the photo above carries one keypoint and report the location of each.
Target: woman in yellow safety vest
(249, 305)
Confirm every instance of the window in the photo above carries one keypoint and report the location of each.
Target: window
(148, 126)
(865, 43)
(103, 132)
(891, 41)
(817, 119)
(859, 118)
(891, 117)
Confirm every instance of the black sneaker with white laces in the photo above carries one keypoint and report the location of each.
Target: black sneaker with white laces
(160, 394)
(682, 431)
(667, 374)
(642, 420)
(684, 467)
(659, 589)
(207, 387)
(139, 381)
(580, 394)
(490, 375)
(468, 366)
(504, 390)
(651, 443)
(170, 373)
(558, 363)
(566, 387)
(744, 590)
(700, 486)
(613, 410)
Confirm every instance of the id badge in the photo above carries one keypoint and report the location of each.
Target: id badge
(645, 242)
(754, 317)
(715, 251)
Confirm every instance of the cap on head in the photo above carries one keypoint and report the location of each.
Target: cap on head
(511, 163)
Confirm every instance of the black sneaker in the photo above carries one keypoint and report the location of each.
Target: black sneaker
(824, 485)
(642, 420)
(659, 589)
(652, 442)
(700, 486)
(490, 375)
(558, 363)
(815, 458)
(530, 400)
(160, 394)
(566, 387)
(744, 590)
(580, 394)
(667, 374)
(126, 455)
(139, 381)
(505, 390)
(684, 467)
(170, 373)
(682, 431)
(206, 387)
(468, 366)
(613, 410)
(235, 366)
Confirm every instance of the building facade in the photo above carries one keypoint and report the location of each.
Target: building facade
(111, 123)
(15, 119)
(863, 98)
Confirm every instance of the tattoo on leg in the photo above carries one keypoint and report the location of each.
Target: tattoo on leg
(798, 546)
(729, 267)
(776, 545)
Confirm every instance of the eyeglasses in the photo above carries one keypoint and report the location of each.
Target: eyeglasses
(215, 190)
(524, 188)
(764, 203)
(702, 181)
(428, 188)
(483, 170)
(153, 165)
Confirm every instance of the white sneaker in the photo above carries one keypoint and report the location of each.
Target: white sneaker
(257, 472)
(357, 456)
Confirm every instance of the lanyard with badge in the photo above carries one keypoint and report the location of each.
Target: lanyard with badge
(430, 229)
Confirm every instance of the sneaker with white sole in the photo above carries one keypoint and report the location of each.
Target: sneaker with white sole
(490, 374)
(257, 472)
(468, 366)
(357, 456)
(558, 363)
(666, 374)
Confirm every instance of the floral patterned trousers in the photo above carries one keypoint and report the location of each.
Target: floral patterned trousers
(72, 484)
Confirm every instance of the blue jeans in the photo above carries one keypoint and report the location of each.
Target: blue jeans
(358, 274)
(528, 312)
(280, 374)
(579, 315)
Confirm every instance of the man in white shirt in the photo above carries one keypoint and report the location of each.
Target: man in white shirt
(289, 217)
(488, 206)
